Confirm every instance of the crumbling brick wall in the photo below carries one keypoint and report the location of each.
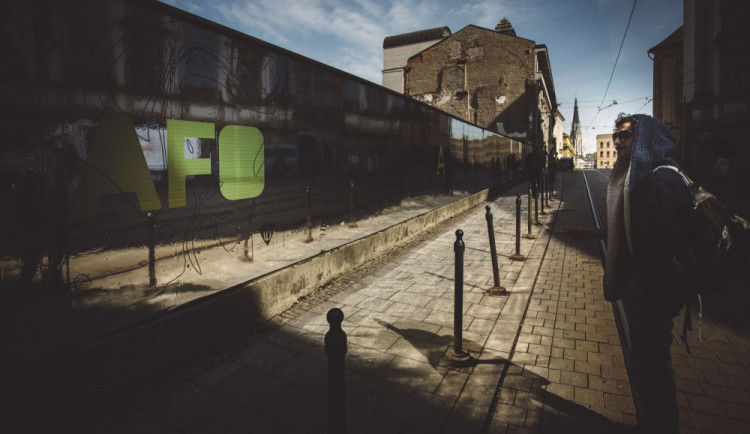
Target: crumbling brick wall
(478, 75)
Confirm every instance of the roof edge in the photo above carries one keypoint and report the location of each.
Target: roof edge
(415, 37)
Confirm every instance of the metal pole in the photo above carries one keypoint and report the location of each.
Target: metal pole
(541, 193)
(496, 289)
(529, 235)
(552, 177)
(335, 349)
(518, 256)
(457, 356)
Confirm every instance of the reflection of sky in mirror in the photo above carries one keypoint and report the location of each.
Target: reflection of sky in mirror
(582, 38)
(460, 130)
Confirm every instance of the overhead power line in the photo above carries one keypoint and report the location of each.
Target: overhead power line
(616, 59)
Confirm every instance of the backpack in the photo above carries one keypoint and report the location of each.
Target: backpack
(717, 253)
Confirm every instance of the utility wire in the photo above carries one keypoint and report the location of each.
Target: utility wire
(616, 59)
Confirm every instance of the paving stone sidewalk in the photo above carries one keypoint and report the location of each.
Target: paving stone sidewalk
(547, 354)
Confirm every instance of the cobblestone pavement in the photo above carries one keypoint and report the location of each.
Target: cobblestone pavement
(548, 355)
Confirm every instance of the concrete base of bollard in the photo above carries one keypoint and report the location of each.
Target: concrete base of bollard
(459, 359)
(497, 290)
(517, 257)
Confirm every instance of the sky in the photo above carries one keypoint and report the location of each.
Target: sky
(583, 39)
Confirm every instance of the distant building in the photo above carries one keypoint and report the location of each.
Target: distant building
(493, 79)
(606, 154)
(567, 148)
(558, 134)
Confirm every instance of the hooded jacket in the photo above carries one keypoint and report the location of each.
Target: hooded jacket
(648, 216)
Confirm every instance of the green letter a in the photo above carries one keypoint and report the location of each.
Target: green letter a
(115, 165)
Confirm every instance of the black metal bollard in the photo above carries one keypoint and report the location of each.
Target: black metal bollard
(529, 235)
(496, 288)
(542, 188)
(151, 248)
(335, 348)
(552, 177)
(518, 256)
(546, 180)
(457, 356)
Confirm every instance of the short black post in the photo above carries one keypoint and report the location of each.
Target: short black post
(536, 203)
(457, 356)
(352, 223)
(549, 187)
(552, 177)
(308, 213)
(529, 235)
(518, 256)
(151, 248)
(541, 194)
(496, 288)
(335, 348)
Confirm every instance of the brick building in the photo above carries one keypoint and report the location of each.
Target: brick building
(491, 78)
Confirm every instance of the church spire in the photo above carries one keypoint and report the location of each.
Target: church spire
(575, 134)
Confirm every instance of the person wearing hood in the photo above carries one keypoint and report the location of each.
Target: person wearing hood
(647, 227)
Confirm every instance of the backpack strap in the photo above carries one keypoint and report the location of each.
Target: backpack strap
(689, 182)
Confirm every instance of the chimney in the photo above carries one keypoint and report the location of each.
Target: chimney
(505, 28)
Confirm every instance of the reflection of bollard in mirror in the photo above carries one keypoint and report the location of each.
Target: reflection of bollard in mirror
(517, 256)
(457, 356)
(335, 349)
(496, 288)
(308, 213)
(151, 248)
(352, 223)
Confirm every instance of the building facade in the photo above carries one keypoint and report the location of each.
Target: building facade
(558, 134)
(567, 148)
(702, 92)
(606, 154)
(667, 102)
(491, 78)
